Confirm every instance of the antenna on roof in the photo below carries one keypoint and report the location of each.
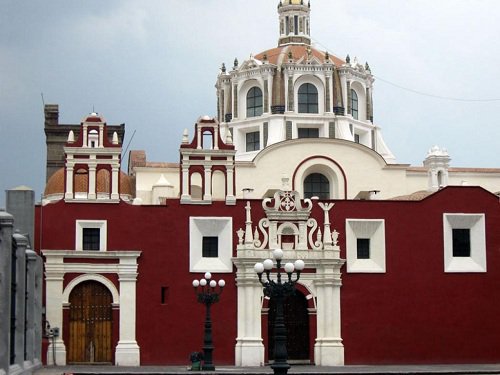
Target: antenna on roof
(128, 144)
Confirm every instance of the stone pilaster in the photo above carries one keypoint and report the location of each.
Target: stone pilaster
(6, 230)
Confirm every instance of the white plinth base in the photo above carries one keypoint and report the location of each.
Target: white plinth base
(57, 350)
(329, 352)
(127, 353)
(249, 352)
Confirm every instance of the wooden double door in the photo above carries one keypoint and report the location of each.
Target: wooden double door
(297, 324)
(90, 324)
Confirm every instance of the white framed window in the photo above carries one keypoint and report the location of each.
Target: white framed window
(207, 232)
(91, 235)
(464, 242)
(365, 244)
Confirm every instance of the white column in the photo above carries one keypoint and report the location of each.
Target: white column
(207, 196)
(185, 197)
(127, 351)
(69, 182)
(54, 309)
(230, 198)
(115, 173)
(328, 350)
(249, 350)
(92, 182)
(101, 136)
(215, 143)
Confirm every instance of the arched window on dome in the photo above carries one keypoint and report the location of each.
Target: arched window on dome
(316, 185)
(354, 104)
(93, 138)
(308, 98)
(254, 102)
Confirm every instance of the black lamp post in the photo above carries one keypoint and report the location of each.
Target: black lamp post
(207, 294)
(279, 290)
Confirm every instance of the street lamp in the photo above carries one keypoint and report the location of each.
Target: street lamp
(278, 290)
(207, 294)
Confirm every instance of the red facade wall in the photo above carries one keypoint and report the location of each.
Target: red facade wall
(413, 313)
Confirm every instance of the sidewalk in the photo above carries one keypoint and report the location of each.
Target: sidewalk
(358, 370)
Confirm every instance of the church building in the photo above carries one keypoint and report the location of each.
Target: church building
(402, 263)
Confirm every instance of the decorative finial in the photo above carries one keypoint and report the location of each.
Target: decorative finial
(327, 56)
(309, 4)
(185, 137)
(367, 67)
(223, 68)
(290, 55)
(236, 63)
(264, 57)
(348, 59)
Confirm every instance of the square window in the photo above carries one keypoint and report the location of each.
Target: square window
(461, 242)
(91, 235)
(365, 245)
(210, 247)
(91, 238)
(464, 242)
(253, 141)
(210, 244)
(363, 248)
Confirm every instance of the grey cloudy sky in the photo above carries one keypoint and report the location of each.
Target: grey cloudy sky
(153, 64)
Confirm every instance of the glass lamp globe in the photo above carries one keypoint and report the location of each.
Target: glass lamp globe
(258, 268)
(196, 283)
(208, 275)
(289, 267)
(213, 283)
(268, 264)
(278, 254)
(203, 282)
(222, 283)
(299, 265)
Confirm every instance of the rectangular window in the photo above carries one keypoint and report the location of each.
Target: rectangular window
(91, 238)
(356, 138)
(308, 133)
(253, 141)
(363, 248)
(461, 242)
(210, 247)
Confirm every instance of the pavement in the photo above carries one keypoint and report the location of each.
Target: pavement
(297, 369)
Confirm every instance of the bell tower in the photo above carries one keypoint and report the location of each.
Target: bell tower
(294, 22)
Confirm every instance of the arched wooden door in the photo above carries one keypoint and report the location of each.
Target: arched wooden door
(297, 325)
(90, 323)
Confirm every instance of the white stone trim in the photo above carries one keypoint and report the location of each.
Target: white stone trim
(221, 227)
(476, 224)
(103, 235)
(127, 351)
(96, 277)
(374, 229)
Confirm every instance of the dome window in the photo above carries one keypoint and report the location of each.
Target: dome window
(354, 104)
(93, 138)
(254, 102)
(308, 98)
(316, 185)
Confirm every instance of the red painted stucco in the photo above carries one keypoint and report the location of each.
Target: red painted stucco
(413, 313)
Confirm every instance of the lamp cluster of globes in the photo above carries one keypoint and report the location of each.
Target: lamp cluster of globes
(207, 281)
(268, 264)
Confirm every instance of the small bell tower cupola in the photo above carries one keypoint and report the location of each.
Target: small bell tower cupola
(294, 22)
